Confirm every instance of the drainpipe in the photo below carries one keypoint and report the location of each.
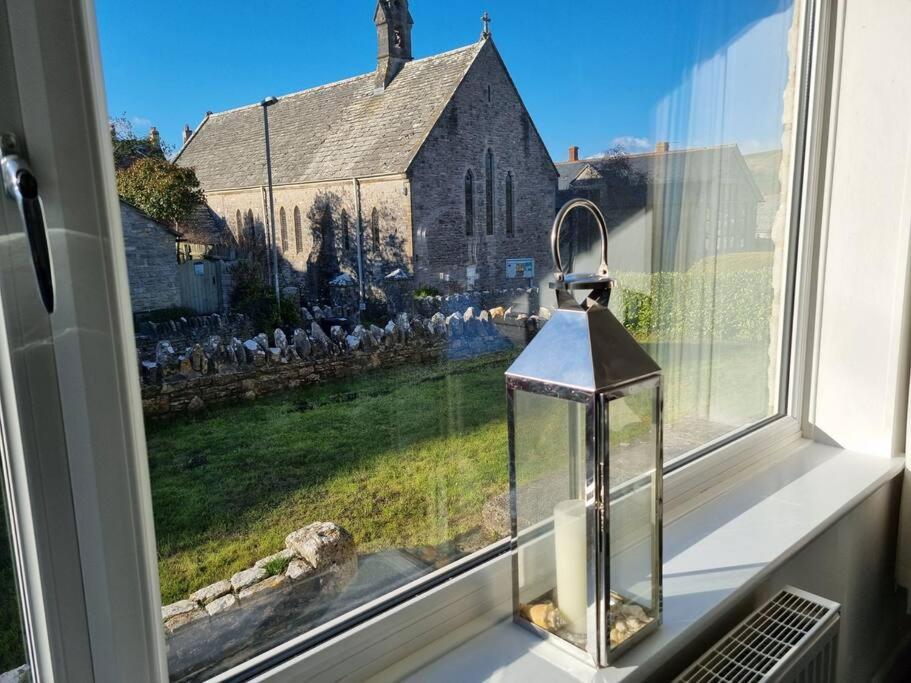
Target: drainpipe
(361, 304)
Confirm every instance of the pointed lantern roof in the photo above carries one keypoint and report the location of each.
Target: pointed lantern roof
(583, 349)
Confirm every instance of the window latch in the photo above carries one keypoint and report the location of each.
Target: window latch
(20, 185)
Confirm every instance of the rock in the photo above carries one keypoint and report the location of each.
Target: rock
(497, 313)
(319, 337)
(274, 354)
(213, 347)
(176, 623)
(250, 348)
(195, 405)
(391, 334)
(329, 549)
(209, 593)
(280, 555)
(544, 313)
(471, 323)
(177, 608)
(264, 585)
(337, 334)
(306, 316)
(248, 577)
(250, 395)
(377, 334)
(281, 340)
(184, 364)
(198, 359)
(301, 343)
(164, 353)
(317, 313)
(262, 340)
(455, 324)
(237, 346)
(634, 611)
(222, 604)
(438, 324)
(298, 569)
(545, 615)
(352, 342)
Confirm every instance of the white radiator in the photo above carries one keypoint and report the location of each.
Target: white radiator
(790, 639)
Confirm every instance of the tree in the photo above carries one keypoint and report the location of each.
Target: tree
(165, 191)
(128, 148)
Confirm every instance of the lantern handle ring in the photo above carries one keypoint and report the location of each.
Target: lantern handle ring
(565, 281)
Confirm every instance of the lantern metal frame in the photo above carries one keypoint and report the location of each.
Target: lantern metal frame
(597, 495)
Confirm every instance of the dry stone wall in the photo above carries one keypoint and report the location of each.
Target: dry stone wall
(221, 369)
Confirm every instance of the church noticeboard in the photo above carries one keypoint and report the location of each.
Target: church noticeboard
(520, 267)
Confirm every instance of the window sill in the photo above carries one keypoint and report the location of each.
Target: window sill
(714, 555)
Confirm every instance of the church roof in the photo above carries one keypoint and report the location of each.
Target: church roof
(335, 131)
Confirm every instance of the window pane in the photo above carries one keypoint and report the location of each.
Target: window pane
(312, 451)
(12, 644)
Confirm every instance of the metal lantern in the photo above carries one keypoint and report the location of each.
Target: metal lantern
(585, 453)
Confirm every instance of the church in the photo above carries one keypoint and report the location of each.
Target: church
(427, 169)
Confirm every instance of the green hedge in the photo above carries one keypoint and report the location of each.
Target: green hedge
(698, 304)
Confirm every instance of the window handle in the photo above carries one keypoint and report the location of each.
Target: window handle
(21, 186)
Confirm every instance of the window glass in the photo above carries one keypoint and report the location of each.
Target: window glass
(12, 645)
(326, 424)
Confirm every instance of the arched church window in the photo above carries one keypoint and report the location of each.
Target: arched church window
(510, 227)
(283, 222)
(238, 225)
(469, 203)
(375, 227)
(250, 226)
(344, 225)
(489, 193)
(298, 237)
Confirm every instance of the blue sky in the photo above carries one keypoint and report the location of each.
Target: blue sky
(694, 72)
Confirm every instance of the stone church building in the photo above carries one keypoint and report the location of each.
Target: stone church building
(434, 163)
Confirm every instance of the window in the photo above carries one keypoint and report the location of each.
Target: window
(469, 203)
(298, 236)
(488, 183)
(344, 225)
(392, 437)
(238, 225)
(510, 228)
(375, 228)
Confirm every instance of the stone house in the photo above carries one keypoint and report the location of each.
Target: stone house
(666, 209)
(151, 256)
(429, 167)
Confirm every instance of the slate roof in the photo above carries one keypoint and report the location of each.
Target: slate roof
(335, 131)
(126, 206)
(692, 165)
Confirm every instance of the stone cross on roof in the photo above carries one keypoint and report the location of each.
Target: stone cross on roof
(485, 18)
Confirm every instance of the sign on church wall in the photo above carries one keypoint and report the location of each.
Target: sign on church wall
(520, 267)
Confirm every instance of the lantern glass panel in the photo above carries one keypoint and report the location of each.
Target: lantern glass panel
(551, 514)
(633, 468)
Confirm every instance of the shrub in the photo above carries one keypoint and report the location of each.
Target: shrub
(251, 296)
(734, 305)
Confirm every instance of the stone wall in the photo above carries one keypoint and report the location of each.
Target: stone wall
(221, 369)
(290, 588)
(184, 332)
(485, 113)
(519, 300)
(151, 254)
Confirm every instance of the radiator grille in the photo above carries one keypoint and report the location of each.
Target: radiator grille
(791, 637)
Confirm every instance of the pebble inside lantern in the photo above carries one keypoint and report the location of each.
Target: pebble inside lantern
(585, 456)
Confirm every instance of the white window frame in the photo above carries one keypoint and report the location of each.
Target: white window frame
(111, 498)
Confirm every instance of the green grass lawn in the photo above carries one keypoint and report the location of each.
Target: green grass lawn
(400, 458)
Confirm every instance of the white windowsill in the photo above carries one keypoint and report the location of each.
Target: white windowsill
(713, 555)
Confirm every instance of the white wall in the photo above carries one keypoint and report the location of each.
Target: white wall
(862, 374)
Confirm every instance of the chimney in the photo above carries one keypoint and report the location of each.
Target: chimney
(393, 35)
(186, 132)
(662, 147)
(154, 137)
(574, 153)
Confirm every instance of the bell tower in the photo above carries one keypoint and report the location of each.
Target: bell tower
(393, 34)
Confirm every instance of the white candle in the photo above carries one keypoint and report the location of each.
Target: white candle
(570, 556)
